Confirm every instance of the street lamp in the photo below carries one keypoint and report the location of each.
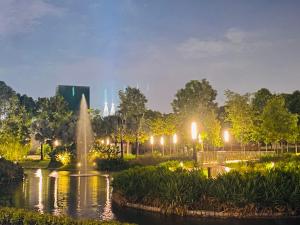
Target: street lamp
(175, 141)
(152, 142)
(200, 141)
(226, 137)
(162, 142)
(56, 143)
(194, 138)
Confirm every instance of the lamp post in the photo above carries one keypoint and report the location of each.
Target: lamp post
(56, 143)
(175, 141)
(152, 142)
(226, 138)
(162, 142)
(194, 138)
(200, 142)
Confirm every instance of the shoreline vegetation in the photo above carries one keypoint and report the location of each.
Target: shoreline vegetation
(250, 190)
(15, 216)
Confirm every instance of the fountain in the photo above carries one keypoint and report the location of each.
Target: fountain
(84, 139)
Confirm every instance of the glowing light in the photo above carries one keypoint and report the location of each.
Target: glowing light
(53, 174)
(194, 130)
(107, 141)
(226, 136)
(79, 164)
(40, 205)
(227, 169)
(162, 141)
(102, 142)
(56, 143)
(200, 139)
(175, 139)
(270, 165)
(151, 140)
(181, 164)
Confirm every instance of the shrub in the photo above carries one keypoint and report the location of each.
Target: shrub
(64, 157)
(10, 172)
(13, 216)
(179, 190)
(115, 164)
(12, 149)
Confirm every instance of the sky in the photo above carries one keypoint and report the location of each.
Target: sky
(155, 45)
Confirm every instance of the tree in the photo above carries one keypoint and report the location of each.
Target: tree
(14, 119)
(240, 115)
(132, 109)
(212, 129)
(261, 97)
(54, 120)
(293, 102)
(196, 98)
(278, 124)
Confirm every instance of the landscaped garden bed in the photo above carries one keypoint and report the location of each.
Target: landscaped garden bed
(272, 191)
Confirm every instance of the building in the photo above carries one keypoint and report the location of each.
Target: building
(73, 95)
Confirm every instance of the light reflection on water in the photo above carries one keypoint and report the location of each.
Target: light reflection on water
(60, 193)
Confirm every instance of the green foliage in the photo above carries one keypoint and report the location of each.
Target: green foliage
(13, 216)
(261, 97)
(278, 123)
(112, 164)
(240, 115)
(176, 190)
(12, 149)
(54, 120)
(64, 157)
(194, 98)
(104, 151)
(10, 172)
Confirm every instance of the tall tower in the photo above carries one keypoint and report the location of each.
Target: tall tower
(112, 110)
(105, 111)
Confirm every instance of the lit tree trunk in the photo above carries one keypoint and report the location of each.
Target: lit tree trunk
(122, 147)
(127, 147)
(136, 146)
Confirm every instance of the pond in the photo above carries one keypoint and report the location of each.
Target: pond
(59, 193)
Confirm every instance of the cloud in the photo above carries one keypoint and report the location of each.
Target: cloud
(21, 16)
(232, 42)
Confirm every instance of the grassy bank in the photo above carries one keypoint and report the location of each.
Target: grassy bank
(274, 190)
(13, 216)
(35, 164)
(10, 172)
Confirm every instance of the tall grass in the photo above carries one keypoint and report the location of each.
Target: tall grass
(275, 190)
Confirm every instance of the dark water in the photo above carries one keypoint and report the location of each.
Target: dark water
(90, 197)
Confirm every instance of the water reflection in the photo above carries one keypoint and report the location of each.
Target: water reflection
(59, 193)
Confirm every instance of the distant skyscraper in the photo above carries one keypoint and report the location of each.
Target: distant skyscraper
(112, 110)
(73, 95)
(105, 112)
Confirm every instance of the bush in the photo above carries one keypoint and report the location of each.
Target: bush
(10, 172)
(115, 164)
(179, 190)
(13, 216)
(12, 149)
